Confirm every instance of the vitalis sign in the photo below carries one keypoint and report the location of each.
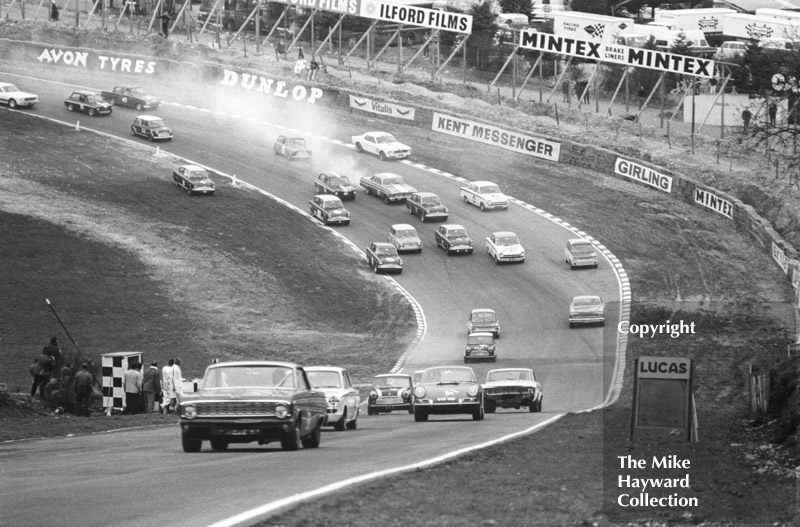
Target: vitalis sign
(628, 56)
(92, 61)
(260, 84)
(383, 108)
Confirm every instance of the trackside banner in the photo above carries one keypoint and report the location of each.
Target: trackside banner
(713, 202)
(643, 174)
(416, 16)
(625, 55)
(483, 133)
(85, 60)
(383, 108)
(348, 7)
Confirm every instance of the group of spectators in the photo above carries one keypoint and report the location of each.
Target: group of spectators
(154, 390)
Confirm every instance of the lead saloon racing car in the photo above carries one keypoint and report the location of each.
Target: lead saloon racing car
(448, 390)
(253, 401)
(389, 392)
(381, 144)
(512, 388)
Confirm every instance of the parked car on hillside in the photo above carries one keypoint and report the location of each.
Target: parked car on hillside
(252, 401)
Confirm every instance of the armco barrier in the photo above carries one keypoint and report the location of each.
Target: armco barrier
(627, 166)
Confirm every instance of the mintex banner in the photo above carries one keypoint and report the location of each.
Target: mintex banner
(484, 133)
(383, 108)
(348, 7)
(643, 174)
(713, 202)
(625, 55)
(416, 16)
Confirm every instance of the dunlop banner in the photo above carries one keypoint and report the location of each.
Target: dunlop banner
(383, 108)
(617, 54)
(416, 16)
(483, 133)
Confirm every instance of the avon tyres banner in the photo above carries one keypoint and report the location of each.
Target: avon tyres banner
(366, 104)
(617, 54)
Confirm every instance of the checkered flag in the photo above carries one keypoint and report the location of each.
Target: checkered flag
(595, 30)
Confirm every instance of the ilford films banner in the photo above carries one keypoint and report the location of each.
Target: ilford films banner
(625, 55)
(348, 7)
(416, 16)
(366, 104)
(483, 133)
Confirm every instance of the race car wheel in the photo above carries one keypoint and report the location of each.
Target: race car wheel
(314, 439)
(359, 148)
(219, 445)
(423, 217)
(138, 107)
(339, 425)
(386, 199)
(375, 267)
(191, 445)
(411, 409)
(368, 191)
(382, 155)
(12, 103)
(151, 137)
(133, 131)
(91, 112)
(490, 407)
(71, 107)
(352, 425)
(410, 210)
(290, 441)
(535, 407)
(465, 199)
(420, 415)
(189, 190)
(483, 207)
(477, 415)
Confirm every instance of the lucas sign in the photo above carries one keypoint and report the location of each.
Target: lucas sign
(617, 54)
(662, 394)
(416, 16)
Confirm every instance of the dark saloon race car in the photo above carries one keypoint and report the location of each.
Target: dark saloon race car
(512, 388)
(193, 179)
(383, 256)
(389, 392)
(447, 390)
(254, 401)
(132, 97)
(88, 102)
(292, 148)
(336, 184)
(329, 210)
(427, 206)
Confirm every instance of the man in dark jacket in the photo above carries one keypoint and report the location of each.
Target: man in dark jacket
(43, 372)
(151, 386)
(83, 390)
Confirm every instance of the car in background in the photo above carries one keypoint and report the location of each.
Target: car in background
(389, 392)
(336, 184)
(329, 210)
(252, 401)
(132, 97)
(448, 390)
(383, 257)
(586, 309)
(580, 253)
(479, 346)
(426, 205)
(292, 148)
(152, 128)
(416, 377)
(193, 179)
(14, 98)
(730, 49)
(505, 247)
(404, 237)
(88, 102)
(483, 319)
(453, 238)
(389, 187)
(484, 195)
(343, 399)
(512, 388)
(382, 144)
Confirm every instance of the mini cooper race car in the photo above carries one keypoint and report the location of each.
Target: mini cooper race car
(483, 320)
(404, 237)
(389, 392)
(479, 346)
(152, 128)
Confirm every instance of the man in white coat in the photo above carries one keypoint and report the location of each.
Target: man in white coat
(168, 401)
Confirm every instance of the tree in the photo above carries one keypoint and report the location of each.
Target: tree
(482, 40)
(680, 46)
(600, 7)
(517, 6)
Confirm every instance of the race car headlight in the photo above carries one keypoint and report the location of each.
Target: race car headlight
(373, 395)
(281, 411)
(189, 412)
(472, 391)
(419, 393)
(333, 401)
(406, 395)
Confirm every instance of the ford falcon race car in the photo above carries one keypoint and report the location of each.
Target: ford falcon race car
(448, 390)
(132, 97)
(253, 401)
(505, 247)
(512, 388)
(13, 97)
(89, 103)
(427, 206)
(586, 309)
(453, 239)
(343, 398)
(329, 210)
(389, 187)
(484, 195)
(336, 184)
(383, 257)
(381, 144)
(389, 392)
(480, 346)
(193, 179)
(404, 237)
(292, 148)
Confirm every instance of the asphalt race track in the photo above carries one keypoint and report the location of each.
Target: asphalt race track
(139, 477)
